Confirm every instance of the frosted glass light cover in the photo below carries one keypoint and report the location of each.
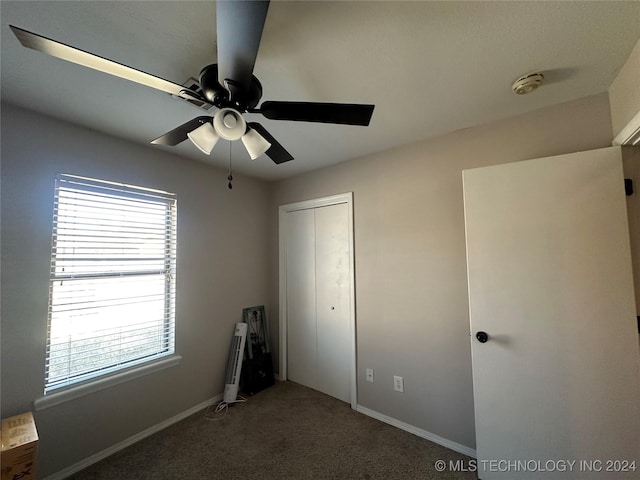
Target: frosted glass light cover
(255, 143)
(204, 137)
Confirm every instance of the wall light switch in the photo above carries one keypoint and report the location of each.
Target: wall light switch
(398, 383)
(370, 375)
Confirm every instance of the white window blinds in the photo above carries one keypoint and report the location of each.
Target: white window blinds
(113, 275)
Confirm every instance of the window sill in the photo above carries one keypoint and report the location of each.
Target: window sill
(95, 385)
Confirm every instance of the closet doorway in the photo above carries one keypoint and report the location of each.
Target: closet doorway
(317, 307)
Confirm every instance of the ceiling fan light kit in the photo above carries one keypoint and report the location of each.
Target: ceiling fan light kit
(527, 83)
(228, 85)
(230, 125)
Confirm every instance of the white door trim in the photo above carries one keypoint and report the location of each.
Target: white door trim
(308, 204)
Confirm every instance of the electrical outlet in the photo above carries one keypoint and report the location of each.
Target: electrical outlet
(398, 383)
(370, 375)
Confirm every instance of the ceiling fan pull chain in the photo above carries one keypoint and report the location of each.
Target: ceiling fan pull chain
(230, 176)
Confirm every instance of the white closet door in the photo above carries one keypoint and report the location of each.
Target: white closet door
(301, 297)
(550, 283)
(318, 282)
(333, 300)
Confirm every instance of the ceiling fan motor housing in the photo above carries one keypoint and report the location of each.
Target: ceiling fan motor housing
(222, 97)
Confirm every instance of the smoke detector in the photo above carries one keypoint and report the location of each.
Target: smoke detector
(527, 83)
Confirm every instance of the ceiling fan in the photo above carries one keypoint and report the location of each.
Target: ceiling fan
(228, 85)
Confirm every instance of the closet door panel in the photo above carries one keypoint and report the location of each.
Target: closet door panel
(333, 300)
(301, 298)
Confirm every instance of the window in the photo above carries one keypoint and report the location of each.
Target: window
(113, 275)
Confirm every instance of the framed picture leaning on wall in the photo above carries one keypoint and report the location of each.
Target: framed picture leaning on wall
(257, 331)
(257, 369)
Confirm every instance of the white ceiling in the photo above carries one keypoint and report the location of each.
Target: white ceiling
(429, 67)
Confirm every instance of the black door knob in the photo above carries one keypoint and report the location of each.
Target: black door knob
(482, 337)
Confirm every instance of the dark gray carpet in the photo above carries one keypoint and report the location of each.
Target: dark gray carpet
(284, 432)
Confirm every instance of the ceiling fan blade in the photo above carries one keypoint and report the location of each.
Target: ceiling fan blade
(276, 152)
(179, 134)
(86, 59)
(340, 113)
(239, 29)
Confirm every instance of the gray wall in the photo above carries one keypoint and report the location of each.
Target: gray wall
(411, 286)
(222, 267)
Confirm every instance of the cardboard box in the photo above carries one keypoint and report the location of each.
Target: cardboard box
(19, 447)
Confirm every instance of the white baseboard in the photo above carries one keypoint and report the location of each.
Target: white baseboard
(457, 447)
(95, 458)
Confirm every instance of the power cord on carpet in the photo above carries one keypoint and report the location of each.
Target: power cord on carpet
(221, 409)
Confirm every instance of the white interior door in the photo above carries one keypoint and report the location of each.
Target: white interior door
(318, 307)
(550, 282)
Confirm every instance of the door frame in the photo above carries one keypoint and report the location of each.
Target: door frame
(346, 198)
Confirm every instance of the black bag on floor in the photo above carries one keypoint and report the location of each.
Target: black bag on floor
(257, 374)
